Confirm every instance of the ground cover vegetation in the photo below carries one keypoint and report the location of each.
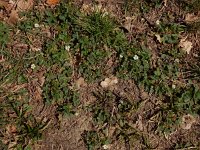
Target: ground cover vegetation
(100, 75)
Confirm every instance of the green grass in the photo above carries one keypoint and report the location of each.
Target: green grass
(28, 129)
(106, 117)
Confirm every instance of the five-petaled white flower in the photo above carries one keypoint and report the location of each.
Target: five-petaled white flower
(36, 25)
(135, 57)
(67, 47)
(33, 66)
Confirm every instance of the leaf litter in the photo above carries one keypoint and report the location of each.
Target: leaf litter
(14, 7)
(108, 82)
(187, 121)
(185, 45)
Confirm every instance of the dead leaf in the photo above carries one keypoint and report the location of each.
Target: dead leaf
(1, 15)
(165, 3)
(23, 5)
(191, 17)
(86, 8)
(42, 80)
(109, 82)
(5, 141)
(13, 18)
(185, 45)
(4, 3)
(139, 123)
(106, 146)
(18, 87)
(8, 5)
(187, 121)
(128, 23)
(52, 2)
(158, 38)
(35, 49)
(111, 131)
(20, 46)
(11, 128)
(38, 94)
(11, 145)
(2, 59)
(80, 82)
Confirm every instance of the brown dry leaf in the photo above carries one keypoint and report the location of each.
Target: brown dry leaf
(191, 17)
(11, 145)
(52, 2)
(185, 45)
(187, 121)
(38, 94)
(2, 59)
(80, 82)
(20, 46)
(10, 5)
(23, 5)
(128, 23)
(13, 18)
(11, 128)
(86, 8)
(165, 3)
(20, 5)
(4, 3)
(18, 87)
(158, 38)
(139, 124)
(111, 131)
(35, 49)
(41, 80)
(109, 82)
(5, 141)
(1, 15)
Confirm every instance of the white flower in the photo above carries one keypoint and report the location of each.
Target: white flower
(36, 25)
(136, 57)
(121, 101)
(121, 56)
(76, 114)
(177, 60)
(106, 146)
(33, 66)
(173, 86)
(157, 22)
(67, 47)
